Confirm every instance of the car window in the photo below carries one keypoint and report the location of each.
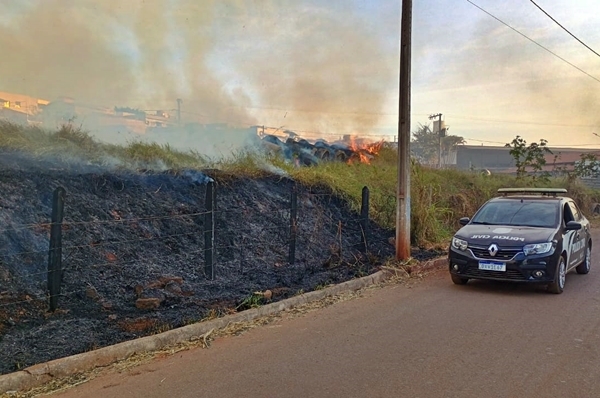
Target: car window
(575, 211)
(518, 213)
(568, 214)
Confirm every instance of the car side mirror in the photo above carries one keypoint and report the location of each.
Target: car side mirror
(573, 226)
(464, 220)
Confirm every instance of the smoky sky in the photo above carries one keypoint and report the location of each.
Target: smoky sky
(495, 73)
(304, 64)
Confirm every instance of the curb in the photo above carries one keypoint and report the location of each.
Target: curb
(37, 375)
(431, 265)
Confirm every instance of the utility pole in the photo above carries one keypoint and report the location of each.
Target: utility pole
(179, 101)
(403, 198)
(439, 133)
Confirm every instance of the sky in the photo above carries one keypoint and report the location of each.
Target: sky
(491, 83)
(315, 65)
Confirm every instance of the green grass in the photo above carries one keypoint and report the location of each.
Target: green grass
(252, 301)
(142, 153)
(438, 197)
(71, 143)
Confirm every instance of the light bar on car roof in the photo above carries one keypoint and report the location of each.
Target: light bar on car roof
(535, 191)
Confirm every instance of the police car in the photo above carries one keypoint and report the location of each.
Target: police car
(534, 235)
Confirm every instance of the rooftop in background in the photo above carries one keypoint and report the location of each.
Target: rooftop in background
(553, 149)
(499, 159)
(21, 103)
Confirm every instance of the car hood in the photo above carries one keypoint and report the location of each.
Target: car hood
(502, 235)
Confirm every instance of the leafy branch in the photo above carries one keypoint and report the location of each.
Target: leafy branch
(529, 159)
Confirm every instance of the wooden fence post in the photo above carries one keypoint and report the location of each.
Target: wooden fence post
(364, 219)
(209, 231)
(55, 250)
(293, 223)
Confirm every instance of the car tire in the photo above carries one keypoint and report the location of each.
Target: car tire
(584, 267)
(458, 280)
(558, 285)
(341, 156)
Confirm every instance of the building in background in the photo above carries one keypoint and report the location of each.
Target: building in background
(21, 109)
(497, 159)
(103, 121)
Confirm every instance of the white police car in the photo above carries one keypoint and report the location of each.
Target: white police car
(533, 235)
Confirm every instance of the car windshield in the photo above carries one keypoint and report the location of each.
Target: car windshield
(518, 213)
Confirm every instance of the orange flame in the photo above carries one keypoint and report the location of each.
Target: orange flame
(365, 151)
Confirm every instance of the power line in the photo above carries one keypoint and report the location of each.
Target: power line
(520, 122)
(553, 146)
(533, 41)
(574, 145)
(489, 142)
(523, 122)
(565, 29)
(273, 108)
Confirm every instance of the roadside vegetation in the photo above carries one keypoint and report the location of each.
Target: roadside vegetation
(438, 197)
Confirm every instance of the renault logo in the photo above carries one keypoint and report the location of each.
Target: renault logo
(493, 249)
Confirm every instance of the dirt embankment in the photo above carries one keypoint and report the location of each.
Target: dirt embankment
(133, 253)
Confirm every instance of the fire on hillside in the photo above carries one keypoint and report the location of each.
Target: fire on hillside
(366, 150)
(306, 153)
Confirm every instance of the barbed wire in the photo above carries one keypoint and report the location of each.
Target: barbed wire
(103, 244)
(322, 194)
(133, 220)
(30, 300)
(264, 260)
(350, 226)
(243, 211)
(8, 254)
(247, 243)
(99, 222)
(246, 246)
(152, 218)
(30, 274)
(275, 228)
(277, 255)
(25, 226)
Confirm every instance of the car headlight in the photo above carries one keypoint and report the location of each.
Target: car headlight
(537, 248)
(459, 244)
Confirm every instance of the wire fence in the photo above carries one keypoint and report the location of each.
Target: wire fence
(244, 238)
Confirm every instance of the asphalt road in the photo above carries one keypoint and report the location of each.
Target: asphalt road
(425, 339)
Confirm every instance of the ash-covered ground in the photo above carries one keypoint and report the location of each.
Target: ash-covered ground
(133, 252)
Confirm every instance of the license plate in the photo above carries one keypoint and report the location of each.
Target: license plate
(492, 266)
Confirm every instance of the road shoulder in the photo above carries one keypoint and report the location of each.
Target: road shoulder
(77, 369)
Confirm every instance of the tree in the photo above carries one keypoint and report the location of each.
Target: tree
(425, 144)
(529, 156)
(588, 166)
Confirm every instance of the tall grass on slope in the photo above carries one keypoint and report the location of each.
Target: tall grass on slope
(438, 197)
(160, 156)
(70, 143)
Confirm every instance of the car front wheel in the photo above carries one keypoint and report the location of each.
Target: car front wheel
(557, 286)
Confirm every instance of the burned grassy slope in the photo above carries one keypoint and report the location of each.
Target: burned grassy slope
(130, 236)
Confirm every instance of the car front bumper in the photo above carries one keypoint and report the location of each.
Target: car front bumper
(521, 268)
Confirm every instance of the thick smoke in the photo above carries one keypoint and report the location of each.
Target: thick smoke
(330, 73)
(284, 62)
(55, 48)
